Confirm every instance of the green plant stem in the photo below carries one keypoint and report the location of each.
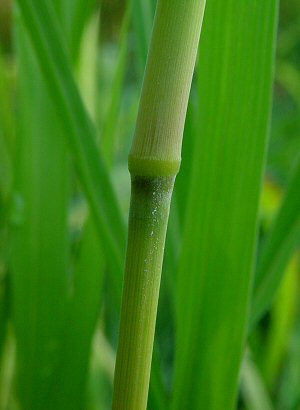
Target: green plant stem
(150, 203)
(156, 148)
(153, 163)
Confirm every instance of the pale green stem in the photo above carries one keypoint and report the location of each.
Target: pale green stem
(154, 162)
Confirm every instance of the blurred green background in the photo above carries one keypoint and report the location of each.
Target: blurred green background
(109, 68)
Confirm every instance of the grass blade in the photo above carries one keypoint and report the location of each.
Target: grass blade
(143, 15)
(44, 31)
(255, 393)
(285, 233)
(70, 384)
(4, 311)
(109, 126)
(282, 321)
(7, 372)
(237, 51)
(6, 142)
(69, 389)
(40, 237)
(74, 14)
(282, 241)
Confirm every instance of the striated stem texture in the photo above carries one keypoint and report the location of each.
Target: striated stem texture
(153, 163)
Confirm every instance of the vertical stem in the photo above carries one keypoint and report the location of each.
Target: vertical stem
(153, 163)
(149, 210)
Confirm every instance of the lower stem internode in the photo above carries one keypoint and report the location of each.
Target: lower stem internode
(149, 212)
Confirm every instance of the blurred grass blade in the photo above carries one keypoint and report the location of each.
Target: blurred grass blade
(69, 389)
(157, 394)
(7, 126)
(86, 72)
(70, 384)
(4, 311)
(44, 31)
(82, 10)
(254, 392)
(40, 237)
(7, 372)
(191, 132)
(6, 142)
(282, 241)
(282, 320)
(74, 14)
(143, 15)
(289, 77)
(235, 82)
(285, 233)
(288, 391)
(109, 127)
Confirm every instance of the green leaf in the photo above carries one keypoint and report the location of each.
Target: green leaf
(284, 236)
(109, 127)
(74, 14)
(288, 391)
(70, 385)
(45, 35)
(281, 243)
(6, 142)
(4, 310)
(220, 234)
(69, 389)
(282, 320)
(7, 134)
(7, 126)
(143, 14)
(254, 391)
(69, 366)
(81, 12)
(40, 234)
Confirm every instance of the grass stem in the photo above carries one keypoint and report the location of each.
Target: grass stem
(153, 163)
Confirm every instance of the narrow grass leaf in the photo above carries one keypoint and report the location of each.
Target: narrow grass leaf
(143, 15)
(254, 391)
(69, 391)
(235, 81)
(70, 387)
(7, 126)
(45, 35)
(7, 134)
(157, 393)
(7, 372)
(281, 243)
(108, 136)
(282, 321)
(4, 309)
(74, 14)
(40, 236)
(284, 236)
(86, 69)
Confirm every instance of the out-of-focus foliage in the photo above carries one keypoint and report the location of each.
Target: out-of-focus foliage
(60, 272)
